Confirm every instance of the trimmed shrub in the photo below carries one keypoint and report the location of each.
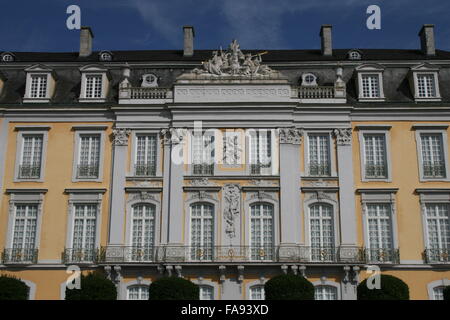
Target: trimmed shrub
(289, 287)
(12, 288)
(173, 288)
(391, 288)
(94, 286)
(447, 293)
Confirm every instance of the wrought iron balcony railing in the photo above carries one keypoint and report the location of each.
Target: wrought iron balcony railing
(87, 171)
(436, 170)
(376, 171)
(319, 169)
(382, 255)
(145, 170)
(195, 254)
(437, 255)
(205, 169)
(20, 256)
(29, 171)
(80, 255)
(259, 168)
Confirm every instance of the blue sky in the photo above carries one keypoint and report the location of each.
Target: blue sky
(256, 24)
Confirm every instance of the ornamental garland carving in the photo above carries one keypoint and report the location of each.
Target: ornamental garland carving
(343, 136)
(120, 136)
(290, 135)
(232, 196)
(173, 135)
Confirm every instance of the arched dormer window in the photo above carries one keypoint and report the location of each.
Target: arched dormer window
(354, 55)
(309, 80)
(7, 57)
(105, 56)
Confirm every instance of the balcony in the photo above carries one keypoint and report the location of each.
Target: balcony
(224, 254)
(382, 255)
(20, 256)
(80, 255)
(203, 169)
(140, 95)
(316, 92)
(87, 171)
(376, 171)
(437, 255)
(145, 170)
(434, 170)
(29, 171)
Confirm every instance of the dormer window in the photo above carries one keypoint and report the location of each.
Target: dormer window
(7, 57)
(149, 80)
(40, 84)
(370, 83)
(94, 83)
(105, 56)
(354, 55)
(424, 83)
(309, 79)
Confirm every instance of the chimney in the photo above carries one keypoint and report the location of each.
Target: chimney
(86, 37)
(427, 40)
(188, 50)
(325, 34)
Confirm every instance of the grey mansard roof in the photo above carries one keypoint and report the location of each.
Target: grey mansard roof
(169, 64)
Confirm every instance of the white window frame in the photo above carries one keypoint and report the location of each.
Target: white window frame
(214, 228)
(371, 69)
(134, 145)
(381, 130)
(122, 293)
(140, 286)
(331, 153)
(274, 152)
(88, 130)
(200, 281)
(30, 130)
(434, 284)
(274, 229)
(94, 70)
(39, 70)
(414, 83)
(432, 129)
(214, 146)
(328, 283)
(256, 283)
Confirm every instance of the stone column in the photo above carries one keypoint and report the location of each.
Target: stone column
(290, 140)
(346, 193)
(117, 202)
(172, 212)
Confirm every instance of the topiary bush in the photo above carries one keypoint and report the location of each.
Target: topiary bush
(289, 287)
(12, 288)
(447, 293)
(94, 286)
(391, 288)
(173, 288)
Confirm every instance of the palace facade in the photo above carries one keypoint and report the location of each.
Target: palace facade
(226, 167)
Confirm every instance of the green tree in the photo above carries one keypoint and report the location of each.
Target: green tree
(391, 288)
(289, 287)
(94, 286)
(173, 288)
(12, 288)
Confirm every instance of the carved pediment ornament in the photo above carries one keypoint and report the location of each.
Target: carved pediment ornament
(290, 135)
(343, 136)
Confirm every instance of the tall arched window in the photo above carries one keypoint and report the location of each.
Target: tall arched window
(143, 232)
(137, 292)
(261, 231)
(321, 232)
(323, 292)
(202, 231)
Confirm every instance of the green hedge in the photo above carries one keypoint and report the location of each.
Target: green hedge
(289, 287)
(447, 293)
(173, 288)
(94, 286)
(391, 288)
(12, 288)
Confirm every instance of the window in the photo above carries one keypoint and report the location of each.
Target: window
(309, 79)
(88, 156)
(202, 231)
(203, 154)
(38, 88)
(145, 158)
(432, 155)
(149, 80)
(261, 231)
(7, 57)
(438, 232)
(321, 232)
(426, 86)
(143, 232)
(438, 293)
(138, 292)
(260, 152)
(323, 292)
(354, 55)
(84, 232)
(257, 293)
(319, 154)
(93, 86)
(206, 293)
(31, 156)
(375, 163)
(24, 233)
(105, 56)
(380, 238)
(370, 86)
